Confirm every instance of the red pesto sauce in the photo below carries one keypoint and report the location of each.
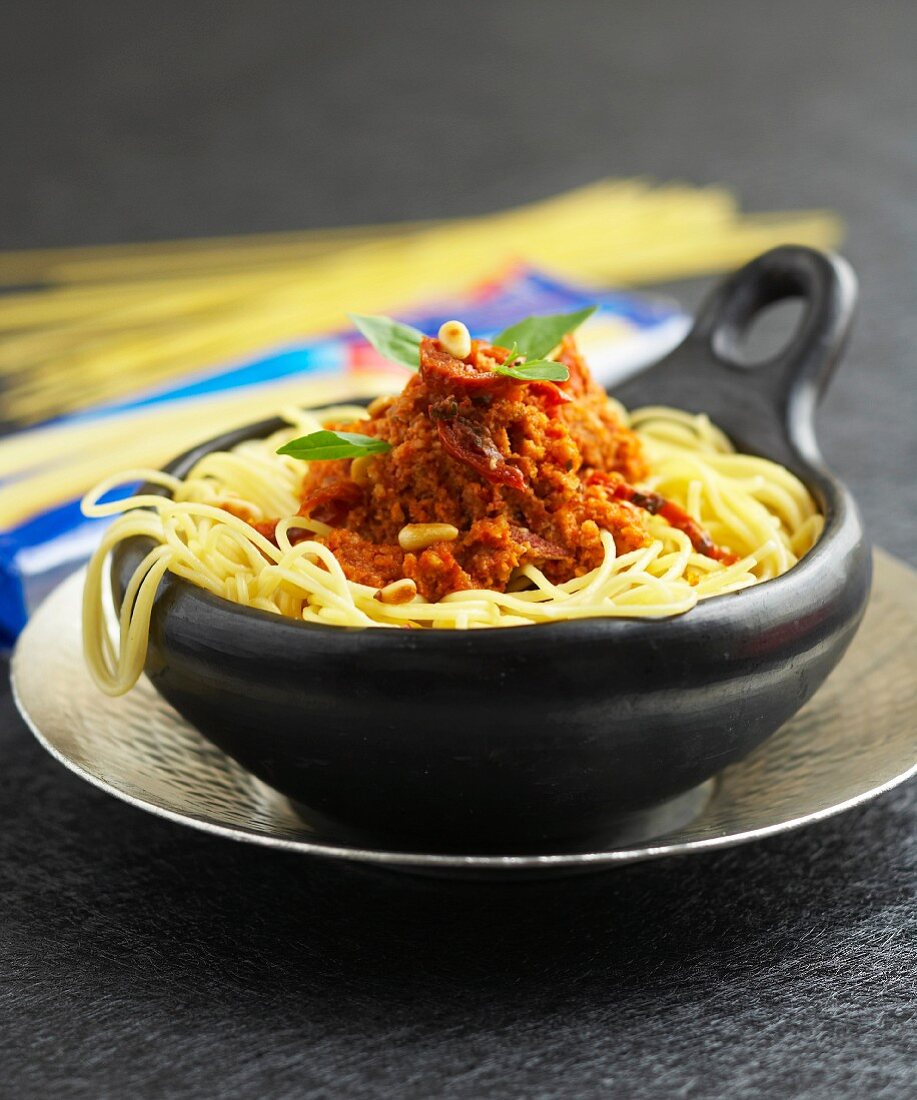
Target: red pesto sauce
(528, 472)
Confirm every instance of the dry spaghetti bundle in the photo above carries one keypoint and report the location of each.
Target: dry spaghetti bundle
(110, 320)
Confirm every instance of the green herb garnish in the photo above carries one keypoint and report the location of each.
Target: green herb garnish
(536, 337)
(392, 339)
(327, 444)
(539, 370)
(545, 370)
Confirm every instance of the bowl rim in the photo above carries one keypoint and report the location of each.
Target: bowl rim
(843, 528)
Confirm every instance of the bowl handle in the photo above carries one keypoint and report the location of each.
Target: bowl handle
(767, 407)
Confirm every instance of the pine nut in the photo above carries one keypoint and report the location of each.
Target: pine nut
(418, 536)
(359, 470)
(402, 591)
(455, 339)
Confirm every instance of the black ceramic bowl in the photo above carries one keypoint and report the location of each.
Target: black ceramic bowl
(541, 737)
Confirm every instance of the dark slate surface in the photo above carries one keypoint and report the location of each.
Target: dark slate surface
(137, 958)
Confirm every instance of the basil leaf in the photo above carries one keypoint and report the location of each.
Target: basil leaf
(537, 336)
(325, 444)
(539, 370)
(395, 341)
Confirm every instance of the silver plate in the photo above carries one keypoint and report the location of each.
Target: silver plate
(854, 740)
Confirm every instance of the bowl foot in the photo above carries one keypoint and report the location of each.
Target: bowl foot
(628, 829)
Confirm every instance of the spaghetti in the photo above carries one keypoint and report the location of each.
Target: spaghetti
(757, 509)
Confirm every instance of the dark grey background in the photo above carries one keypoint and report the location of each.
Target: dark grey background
(139, 958)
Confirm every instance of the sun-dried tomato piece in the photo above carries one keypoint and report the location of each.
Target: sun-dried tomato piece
(332, 502)
(446, 375)
(469, 441)
(658, 505)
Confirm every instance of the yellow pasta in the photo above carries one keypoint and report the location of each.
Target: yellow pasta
(760, 511)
